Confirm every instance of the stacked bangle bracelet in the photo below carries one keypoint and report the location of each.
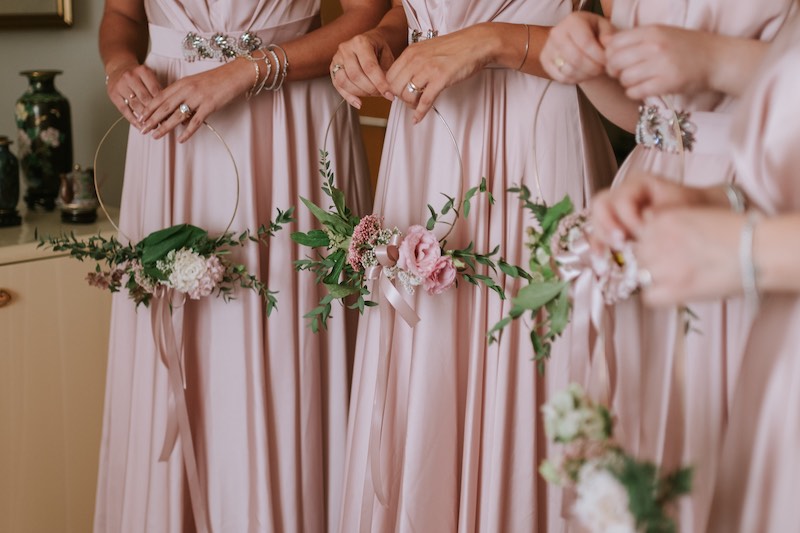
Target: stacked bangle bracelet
(270, 81)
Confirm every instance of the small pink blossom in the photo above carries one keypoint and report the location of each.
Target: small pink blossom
(364, 236)
(419, 252)
(441, 277)
(50, 137)
(101, 280)
(569, 231)
(209, 280)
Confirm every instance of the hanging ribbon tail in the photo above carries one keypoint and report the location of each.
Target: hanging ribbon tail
(379, 404)
(178, 417)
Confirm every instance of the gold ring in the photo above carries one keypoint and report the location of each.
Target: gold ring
(132, 96)
(413, 88)
(336, 68)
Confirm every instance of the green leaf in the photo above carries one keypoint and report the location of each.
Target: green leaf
(507, 269)
(559, 313)
(316, 238)
(159, 243)
(339, 259)
(535, 295)
(339, 291)
(556, 213)
(331, 220)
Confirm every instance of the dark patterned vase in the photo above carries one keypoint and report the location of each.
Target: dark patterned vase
(9, 185)
(44, 137)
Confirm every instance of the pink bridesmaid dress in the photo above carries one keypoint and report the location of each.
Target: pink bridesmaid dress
(759, 475)
(671, 387)
(459, 437)
(267, 398)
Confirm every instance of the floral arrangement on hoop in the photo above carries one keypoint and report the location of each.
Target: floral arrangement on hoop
(350, 250)
(184, 258)
(615, 492)
(560, 255)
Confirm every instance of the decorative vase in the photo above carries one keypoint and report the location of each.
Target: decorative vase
(9, 185)
(44, 137)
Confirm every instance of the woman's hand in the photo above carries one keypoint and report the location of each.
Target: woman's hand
(359, 65)
(618, 214)
(426, 68)
(130, 88)
(203, 93)
(658, 60)
(573, 52)
(691, 254)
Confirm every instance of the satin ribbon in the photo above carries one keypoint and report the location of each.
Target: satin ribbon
(178, 414)
(589, 319)
(387, 256)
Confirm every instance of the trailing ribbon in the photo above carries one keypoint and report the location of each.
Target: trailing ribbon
(589, 318)
(178, 414)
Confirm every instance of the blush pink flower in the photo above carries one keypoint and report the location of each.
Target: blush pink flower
(442, 277)
(364, 235)
(419, 252)
(209, 280)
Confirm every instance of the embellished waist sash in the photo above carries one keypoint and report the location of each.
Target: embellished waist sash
(209, 46)
(699, 132)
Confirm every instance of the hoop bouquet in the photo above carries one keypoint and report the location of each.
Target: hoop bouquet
(183, 258)
(349, 251)
(563, 267)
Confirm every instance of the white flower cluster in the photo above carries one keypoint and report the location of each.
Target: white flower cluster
(602, 505)
(191, 273)
(570, 415)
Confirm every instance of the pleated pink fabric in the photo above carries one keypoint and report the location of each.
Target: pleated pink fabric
(267, 398)
(759, 476)
(460, 432)
(672, 388)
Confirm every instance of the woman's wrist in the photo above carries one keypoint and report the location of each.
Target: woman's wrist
(505, 43)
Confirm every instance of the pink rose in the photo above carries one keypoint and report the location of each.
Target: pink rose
(441, 277)
(419, 252)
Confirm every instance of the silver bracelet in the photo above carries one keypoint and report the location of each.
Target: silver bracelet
(285, 68)
(736, 198)
(527, 47)
(274, 85)
(747, 262)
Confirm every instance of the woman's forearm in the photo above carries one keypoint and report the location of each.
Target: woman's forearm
(310, 55)
(123, 35)
(608, 97)
(775, 247)
(733, 61)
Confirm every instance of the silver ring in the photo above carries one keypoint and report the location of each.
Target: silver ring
(559, 63)
(644, 277)
(336, 68)
(127, 102)
(185, 110)
(413, 88)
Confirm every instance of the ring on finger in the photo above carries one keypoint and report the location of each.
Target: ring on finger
(185, 110)
(413, 88)
(559, 63)
(644, 278)
(336, 68)
(126, 101)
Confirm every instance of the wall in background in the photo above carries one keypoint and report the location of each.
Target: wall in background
(73, 50)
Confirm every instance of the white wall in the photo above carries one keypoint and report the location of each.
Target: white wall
(73, 50)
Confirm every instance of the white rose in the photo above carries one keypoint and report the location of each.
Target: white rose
(602, 502)
(569, 426)
(563, 402)
(187, 269)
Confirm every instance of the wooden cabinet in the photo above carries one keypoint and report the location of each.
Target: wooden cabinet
(53, 346)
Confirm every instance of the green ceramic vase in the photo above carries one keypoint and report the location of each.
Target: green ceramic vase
(44, 135)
